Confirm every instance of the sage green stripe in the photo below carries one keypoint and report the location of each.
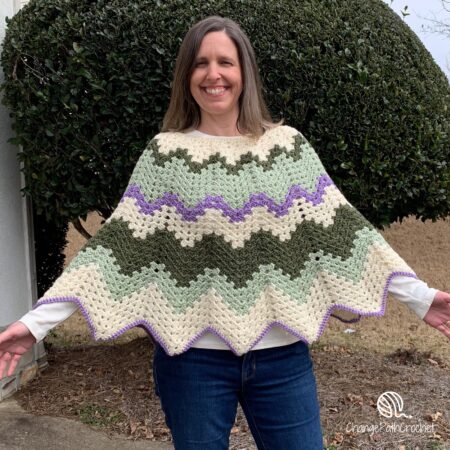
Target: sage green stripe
(240, 300)
(176, 177)
(295, 152)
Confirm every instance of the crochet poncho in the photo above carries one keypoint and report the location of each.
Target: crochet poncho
(233, 237)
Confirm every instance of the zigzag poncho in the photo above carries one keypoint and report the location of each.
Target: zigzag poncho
(232, 237)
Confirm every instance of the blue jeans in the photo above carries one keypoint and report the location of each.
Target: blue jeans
(276, 387)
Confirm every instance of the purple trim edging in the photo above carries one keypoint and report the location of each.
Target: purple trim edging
(217, 202)
(149, 328)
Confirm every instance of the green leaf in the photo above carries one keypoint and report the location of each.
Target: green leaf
(77, 47)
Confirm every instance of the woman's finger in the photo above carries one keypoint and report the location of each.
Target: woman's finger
(4, 337)
(13, 364)
(4, 360)
(444, 330)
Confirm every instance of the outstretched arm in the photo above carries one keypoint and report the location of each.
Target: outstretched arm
(20, 336)
(438, 316)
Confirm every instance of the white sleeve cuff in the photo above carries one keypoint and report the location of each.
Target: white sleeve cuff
(414, 293)
(47, 316)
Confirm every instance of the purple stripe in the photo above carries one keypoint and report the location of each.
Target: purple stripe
(151, 330)
(217, 202)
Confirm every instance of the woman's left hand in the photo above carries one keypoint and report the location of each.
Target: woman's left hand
(438, 316)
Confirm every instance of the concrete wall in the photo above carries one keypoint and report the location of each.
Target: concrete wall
(17, 270)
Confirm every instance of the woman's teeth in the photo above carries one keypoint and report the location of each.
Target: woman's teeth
(215, 91)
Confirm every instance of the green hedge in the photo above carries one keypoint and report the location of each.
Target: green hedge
(88, 82)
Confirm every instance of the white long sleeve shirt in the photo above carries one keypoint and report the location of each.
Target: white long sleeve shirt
(413, 292)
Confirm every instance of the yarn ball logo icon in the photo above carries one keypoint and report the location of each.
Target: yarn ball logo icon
(390, 404)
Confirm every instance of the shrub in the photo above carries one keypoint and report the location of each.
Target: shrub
(49, 243)
(87, 83)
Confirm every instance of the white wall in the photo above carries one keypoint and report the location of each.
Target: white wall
(17, 271)
(16, 292)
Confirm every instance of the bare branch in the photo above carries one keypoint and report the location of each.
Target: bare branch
(438, 25)
(446, 5)
(79, 227)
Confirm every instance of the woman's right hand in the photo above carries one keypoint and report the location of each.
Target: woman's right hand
(15, 341)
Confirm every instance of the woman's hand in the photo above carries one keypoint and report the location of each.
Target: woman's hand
(15, 341)
(438, 316)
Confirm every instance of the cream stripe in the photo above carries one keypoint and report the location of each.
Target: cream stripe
(201, 148)
(234, 232)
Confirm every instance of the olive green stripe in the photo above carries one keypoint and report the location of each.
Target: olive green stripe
(119, 286)
(238, 265)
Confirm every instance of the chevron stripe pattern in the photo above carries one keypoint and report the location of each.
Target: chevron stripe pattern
(232, 237)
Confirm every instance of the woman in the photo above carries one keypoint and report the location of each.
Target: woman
(217, 127)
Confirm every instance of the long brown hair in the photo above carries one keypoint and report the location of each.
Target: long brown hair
(183, 112)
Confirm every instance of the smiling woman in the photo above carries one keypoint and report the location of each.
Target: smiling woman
(217, 54)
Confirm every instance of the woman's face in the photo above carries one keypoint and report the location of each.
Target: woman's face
(216, 82)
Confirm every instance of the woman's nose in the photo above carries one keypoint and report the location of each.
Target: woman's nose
(213, 72)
